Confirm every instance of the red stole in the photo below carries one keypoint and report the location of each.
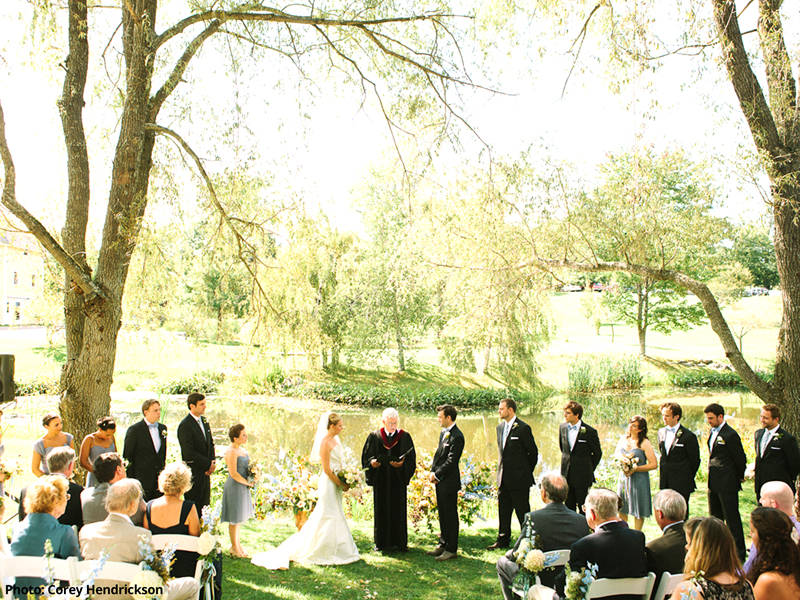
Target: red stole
(390, 443)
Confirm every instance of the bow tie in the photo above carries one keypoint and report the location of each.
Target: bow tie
(572, 427)
(152, 425)
(672, 429)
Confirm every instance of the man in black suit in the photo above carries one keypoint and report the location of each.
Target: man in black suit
(777, 454)
(61, 462)
(668, 553)
(726, 464)
(580, 454)
(556, 526)
(446, 475)
(680, 453)
(146, 449)
(617, 550)
(518, 458)
(197, 450)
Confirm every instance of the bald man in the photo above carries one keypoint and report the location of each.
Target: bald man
(774, 494)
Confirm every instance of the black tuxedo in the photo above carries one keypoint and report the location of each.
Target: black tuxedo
(517, 460)
(668, 552)
(448, 483)
(73, 514)
(197, 451)
(557, 528)
(617, 551)
(726, 465)
(780, 461)
(678, 468)
(144, 463)
(578, 464)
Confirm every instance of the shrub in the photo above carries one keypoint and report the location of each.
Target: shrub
(705, 377)
(263, 378)
(204, 382)
(39, 385)
(589, 374)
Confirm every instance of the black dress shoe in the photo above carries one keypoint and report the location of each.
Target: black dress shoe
(497, 545)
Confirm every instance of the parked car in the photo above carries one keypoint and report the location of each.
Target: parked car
(571, 288)
(597, 286)
(756, 291)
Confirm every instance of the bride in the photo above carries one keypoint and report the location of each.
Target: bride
(325, 539)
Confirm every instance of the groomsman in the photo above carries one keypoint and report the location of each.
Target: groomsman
(777, 454)
(445, 473)
(726, 464)
(518, 458)
(146, 449)
(680, 453)
(197, 450)
(580, 454)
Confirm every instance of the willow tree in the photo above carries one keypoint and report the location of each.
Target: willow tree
(388, 50)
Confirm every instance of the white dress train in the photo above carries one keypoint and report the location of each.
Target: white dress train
(325, 539)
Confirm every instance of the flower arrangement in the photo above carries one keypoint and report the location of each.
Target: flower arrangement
(155, 569)
(209, 545)
(293, 488)
(477, 486)
(529, 557)
(351, 474)
(8, 468)
(577, 583)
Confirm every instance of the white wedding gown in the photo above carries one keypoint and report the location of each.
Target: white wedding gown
(325, 539)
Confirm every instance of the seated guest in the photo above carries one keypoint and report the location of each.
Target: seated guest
(556, 526)
(712, 569)
(617, 550)
(172, 514)
(774, 494)
(121, 538)
(61, 462)
(775, 574)
(108, 469)
(45, 502)
(97, 443)
(54, 438)
(667, 553)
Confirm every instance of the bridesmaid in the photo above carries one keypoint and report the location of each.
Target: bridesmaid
(237, 505)
(97, 443)
(634, 483)
(54, 438)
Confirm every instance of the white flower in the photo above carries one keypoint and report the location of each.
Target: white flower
(314, 481)
(534, 561)
(150, 579)
(206, 544)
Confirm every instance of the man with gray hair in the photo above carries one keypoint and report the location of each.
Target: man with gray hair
(617, 550)
(556, 526)
(390, 461)
(774, 494)
(61, 461)
(667, 553)
(120, 537)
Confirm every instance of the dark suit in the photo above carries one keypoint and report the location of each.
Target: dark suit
(617, 551)
(144, 463)
(668, 552)
(448, 483)
(726, 466)
(678, 468)
(518, 458)
(578, 464)
(73, 515)
(557, 528)
(780, 461)
(197, 451)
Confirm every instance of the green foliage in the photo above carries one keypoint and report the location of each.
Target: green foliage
(457, 353)
(754, 249)
(204, 382)
(38, 385)
(703, 377)
(590, 374)
(263, 378)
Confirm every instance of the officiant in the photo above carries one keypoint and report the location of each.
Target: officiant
(390, 461)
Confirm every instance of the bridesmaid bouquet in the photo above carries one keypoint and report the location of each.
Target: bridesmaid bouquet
(627, 463)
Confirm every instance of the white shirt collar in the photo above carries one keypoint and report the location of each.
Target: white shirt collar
(774, 429)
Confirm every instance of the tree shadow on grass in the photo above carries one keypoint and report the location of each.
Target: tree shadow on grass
(55, 352)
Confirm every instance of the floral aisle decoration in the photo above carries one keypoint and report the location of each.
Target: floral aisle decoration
(578, 582)
(531, 559)
(293, 488)
(9, 467)
(477, 487)
(209, 546)
(155, 570)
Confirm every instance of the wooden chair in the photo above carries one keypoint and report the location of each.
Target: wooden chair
(667, 585)
(561, 560)
(640, 586)
(184, 542)
(34, 566)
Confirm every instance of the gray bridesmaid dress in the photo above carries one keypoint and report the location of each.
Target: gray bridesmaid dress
(237, 504)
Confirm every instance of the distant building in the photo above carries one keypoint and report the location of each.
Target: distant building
(21, 271)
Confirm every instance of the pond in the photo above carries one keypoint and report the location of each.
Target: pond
(276, 424)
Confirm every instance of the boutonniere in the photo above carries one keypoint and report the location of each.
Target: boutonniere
(446, 435)
(583, 430)
(679, 433)
(720, 441)
(164, 433)
(777, 436)
(203, 419)
(515, 425)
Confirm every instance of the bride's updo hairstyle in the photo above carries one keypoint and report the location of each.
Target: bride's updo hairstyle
(333, 419)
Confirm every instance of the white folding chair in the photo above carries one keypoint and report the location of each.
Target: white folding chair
(111, 571)
(184, 542)
(639, 586)
(562, 558)
(34, 566)
(5, 548)
(667, 585)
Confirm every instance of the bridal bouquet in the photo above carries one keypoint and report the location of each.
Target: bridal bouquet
(352, 474)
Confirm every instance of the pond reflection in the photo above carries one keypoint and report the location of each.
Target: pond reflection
(276, 424)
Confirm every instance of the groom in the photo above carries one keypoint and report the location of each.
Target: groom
(445, 474)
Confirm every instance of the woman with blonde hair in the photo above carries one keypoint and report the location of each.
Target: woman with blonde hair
(172, 514)
(775, 574)
(54, 438)
(712, 569)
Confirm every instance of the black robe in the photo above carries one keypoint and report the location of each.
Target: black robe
(389, 486)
